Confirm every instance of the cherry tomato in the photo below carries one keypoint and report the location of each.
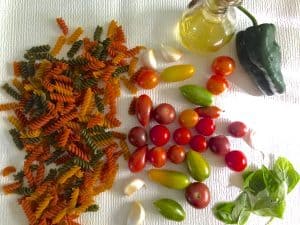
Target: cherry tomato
(236, 160)
(137, 160)
(176, 154)
(237, 129)
(137, 136)
(219, 145)
(197, 194)
(217, 84)
(198, 143)
(164, 113)
(188, 118)
(147, 78)
(143, 109)
(223, 65)
(157, 156)
(206, 126)
(182, 136)
(159, 135)
(209, 111)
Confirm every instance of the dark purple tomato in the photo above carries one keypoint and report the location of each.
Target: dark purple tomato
(219, 144)
(159, 135)
(164, 113)
(206, 126)
(197, 194)
(236, 160)
(176, 154)
(198, 143)
(137, 136)
(182, 136)
(237, 129)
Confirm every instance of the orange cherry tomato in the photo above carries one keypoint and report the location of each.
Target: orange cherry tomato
(188, 118)
(217, 84)
(147, 78)
(223, 65)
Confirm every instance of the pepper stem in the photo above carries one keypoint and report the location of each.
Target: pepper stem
(247, 13)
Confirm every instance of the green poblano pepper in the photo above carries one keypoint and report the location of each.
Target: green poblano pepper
(260, 56)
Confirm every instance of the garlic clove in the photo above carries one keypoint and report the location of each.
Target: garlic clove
(148, 59)
(136, 214)
(170, 54)
(133, 186)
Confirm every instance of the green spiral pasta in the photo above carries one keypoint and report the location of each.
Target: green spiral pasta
(99, 103)
(12, 92)
(120, 70)
(40, 48)
(92, 208)
(74, 49)
(97, 33)
(24, 191)
(16, 138)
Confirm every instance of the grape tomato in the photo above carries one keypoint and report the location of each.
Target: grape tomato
(159, 135)
(137, 160)
(137, 136)
(176, 154)
(147, 78)
(182, 136)
(188, 118)
(223, 65)
(164, 113)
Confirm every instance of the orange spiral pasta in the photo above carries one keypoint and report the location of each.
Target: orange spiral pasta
(63, 138)
(74, 36)
(78, 152)
(9, 106)
(129, 85)
(8, 170)
(58, 45)
(125, 149)
(62, 25)
(17, 69)
(10, 188)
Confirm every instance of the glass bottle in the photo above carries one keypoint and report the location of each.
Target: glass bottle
(208, 26)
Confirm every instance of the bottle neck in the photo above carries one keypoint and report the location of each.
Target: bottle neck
(220, 7)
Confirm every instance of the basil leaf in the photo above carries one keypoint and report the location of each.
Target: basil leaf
(286, 172)
(223, 212)
(247, 173)
(255, 182)
(271, 203)
(242, 204)
(243, 218)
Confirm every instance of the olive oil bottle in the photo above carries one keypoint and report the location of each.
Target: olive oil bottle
(208, 26)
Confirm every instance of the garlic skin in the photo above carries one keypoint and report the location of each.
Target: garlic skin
(170, 54)
(133, 186)
(148, 58)
(136, 214)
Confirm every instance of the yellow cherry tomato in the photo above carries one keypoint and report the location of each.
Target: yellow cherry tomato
(188, 118)
(177, 73)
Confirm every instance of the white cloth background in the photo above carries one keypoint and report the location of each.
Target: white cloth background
(25, 23)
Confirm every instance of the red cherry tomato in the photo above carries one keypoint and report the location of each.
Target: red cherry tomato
(197, 194)
(188, 118)
(137, 136)
(176, 154)
(157, 156)
(182, 136)
(137, 160)
(223, 65)
(236, 160)
(206, 126)
(217, 84)
(198, 143)
(147, 78)
(159, 135)
(237, 129)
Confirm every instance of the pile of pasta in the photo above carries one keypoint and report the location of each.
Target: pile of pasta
(63, 115)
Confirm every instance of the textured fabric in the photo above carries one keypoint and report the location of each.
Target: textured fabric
(25, 23)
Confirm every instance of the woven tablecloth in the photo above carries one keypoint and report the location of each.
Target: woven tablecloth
(275, 120)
